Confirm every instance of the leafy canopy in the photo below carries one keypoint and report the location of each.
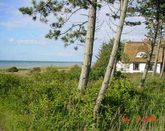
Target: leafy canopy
(62, 12)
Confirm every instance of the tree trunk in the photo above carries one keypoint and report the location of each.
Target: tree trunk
(109, 69)
(113, 69)
(121, 5)
(156, 57)
(149, 58)
(162, 69)
(88, 46)
(144, 76)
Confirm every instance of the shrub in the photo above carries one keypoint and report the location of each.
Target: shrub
(99, 67)
(8, 82)
(74, 72)
(36, 70)
(13, 69)
(50, 101)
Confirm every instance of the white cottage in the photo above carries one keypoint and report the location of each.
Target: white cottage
(135, 57)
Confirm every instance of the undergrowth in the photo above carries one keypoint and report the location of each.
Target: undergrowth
(51, 101)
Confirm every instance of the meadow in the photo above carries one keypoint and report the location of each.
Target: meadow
(49, 100)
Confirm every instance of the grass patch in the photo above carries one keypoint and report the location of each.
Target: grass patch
(49, 100)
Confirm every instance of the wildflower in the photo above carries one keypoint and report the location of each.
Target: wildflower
(126, 119)
(149, 118)
(138, 119)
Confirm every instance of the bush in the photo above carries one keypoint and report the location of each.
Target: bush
(100, 66)
(74, 72)
(13, 69)
(7, 83)
(50, 101)
(36, 70)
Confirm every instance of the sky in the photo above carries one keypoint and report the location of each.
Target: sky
(21, 38)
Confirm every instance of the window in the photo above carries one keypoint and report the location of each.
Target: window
(140, 54)
(136, 66)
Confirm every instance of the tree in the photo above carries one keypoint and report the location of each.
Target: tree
(88, 46)
(163, 65)
(75, 32)
(112, 58)
(152, 10)
(63, 11)
(157, 52)
(99, 68)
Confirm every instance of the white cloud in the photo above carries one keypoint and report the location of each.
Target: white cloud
(15, 18)
(38, 41)
(25, 23)
(25, 2)
(68, 53)
(12, 23)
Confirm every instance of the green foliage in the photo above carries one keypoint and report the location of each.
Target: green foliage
(26, 10)
(50, 101)
(153, 12)
(62, 12)
(74, 72)
(98, 69)
(7, 83)
(13, 69)
(36, 70)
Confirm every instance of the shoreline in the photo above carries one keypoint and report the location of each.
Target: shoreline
(32, 64)
(24, 72)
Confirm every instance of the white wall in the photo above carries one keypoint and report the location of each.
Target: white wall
(158, 69)
(128, 68)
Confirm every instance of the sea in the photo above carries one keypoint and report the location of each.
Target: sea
(31, 64)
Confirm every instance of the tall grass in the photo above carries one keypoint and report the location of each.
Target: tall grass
(51, 101)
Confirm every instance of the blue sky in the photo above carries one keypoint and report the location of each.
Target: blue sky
(23, 39)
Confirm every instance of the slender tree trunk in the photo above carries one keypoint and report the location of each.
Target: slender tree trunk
(144, 76)
(158, 48)
(88, 46)
(113, 69)
(163, 65)
(121, 5)
(156, 57)
(149, 58)
(108, 74)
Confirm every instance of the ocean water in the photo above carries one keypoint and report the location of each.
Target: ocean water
(31, 64)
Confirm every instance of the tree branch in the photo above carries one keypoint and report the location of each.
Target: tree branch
(73, 27)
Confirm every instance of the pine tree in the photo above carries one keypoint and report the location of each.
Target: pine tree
(83, 32)
(88, 46)
(109, 70)
(153, 11)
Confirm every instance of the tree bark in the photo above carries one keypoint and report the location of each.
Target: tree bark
(113, 69)
(144, 76)
(108, 74)
(163, 65)
(88, 46)
(156, 57)
(121, 5)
